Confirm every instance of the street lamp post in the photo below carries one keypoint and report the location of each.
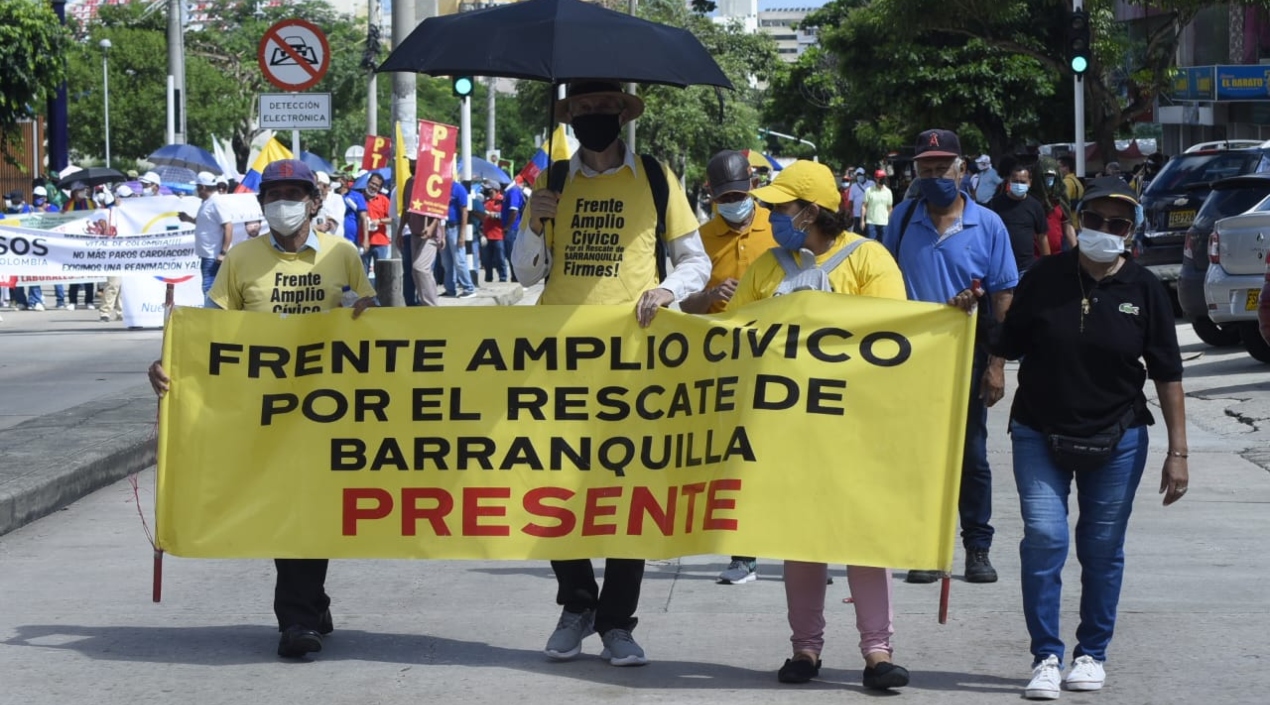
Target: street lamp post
(105, 89)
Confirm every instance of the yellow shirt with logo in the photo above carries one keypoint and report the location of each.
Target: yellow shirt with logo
(732, 253)
(603, 241)
(256, 276)
(869, 271)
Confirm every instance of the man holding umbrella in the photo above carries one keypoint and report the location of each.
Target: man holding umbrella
(609, 182)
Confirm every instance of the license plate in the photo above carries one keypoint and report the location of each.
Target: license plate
(1181, 219)
(1254, 298)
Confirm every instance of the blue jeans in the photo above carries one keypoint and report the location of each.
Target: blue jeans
(1105, 498)
(975, 501)
(59, 291)
(34, 295)
(209, 267)
(372, 253)
(875, 231)
(454, 260)
(494, 260)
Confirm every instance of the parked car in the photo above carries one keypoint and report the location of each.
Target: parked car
(1172, 201)
(1236, 273)
(1228, 197)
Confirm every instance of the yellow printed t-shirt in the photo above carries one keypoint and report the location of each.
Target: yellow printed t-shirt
(602, 243)
(255, 276)
(869, 271)
(731, 252)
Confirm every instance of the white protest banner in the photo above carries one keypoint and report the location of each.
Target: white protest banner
(26, 251)
(142, 298)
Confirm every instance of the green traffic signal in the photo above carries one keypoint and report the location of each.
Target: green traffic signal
(1078, 40)
(463, 86)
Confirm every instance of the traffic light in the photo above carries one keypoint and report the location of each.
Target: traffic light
(1078, 41)
(463, 86)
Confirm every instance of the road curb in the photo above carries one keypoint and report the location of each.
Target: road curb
(54, 460)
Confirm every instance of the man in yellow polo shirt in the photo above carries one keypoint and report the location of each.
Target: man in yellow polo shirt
(296, 269)
(737, 234)
(595, 242)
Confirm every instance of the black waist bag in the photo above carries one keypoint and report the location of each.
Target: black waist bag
(1085, 453)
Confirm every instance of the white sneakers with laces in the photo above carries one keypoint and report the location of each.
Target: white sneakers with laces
(1046, 680)
(1085, 674)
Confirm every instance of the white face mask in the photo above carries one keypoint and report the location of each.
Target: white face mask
(286, 217)
(1099, 246)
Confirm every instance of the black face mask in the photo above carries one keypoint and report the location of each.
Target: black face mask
(597, 131)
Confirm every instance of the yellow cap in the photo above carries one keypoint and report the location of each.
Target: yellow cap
(802, 181)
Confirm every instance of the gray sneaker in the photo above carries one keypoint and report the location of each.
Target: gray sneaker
(621, 649)
(566, 640)
(739, 573)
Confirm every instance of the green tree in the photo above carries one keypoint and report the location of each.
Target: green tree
(32, 42)
(871, 88)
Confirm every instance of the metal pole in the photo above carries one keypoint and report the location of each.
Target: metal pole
(465, 132)
(105, 92)
(404, 84)
(631, 88)
(176, 67)
(171, 134)
(58, 128)
(490, 142)
(1080, 111)
(372, 86)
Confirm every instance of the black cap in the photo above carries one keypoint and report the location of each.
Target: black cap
(727, 172)
(937, 143)
(14, 196)
(1109, 187)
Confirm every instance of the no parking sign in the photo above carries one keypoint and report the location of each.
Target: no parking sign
(294, 55)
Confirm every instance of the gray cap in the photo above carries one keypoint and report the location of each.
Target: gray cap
(727, 172)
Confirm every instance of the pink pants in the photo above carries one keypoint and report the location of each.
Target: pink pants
(805, 597)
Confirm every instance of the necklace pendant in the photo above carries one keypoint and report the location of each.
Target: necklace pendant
(1084, 306)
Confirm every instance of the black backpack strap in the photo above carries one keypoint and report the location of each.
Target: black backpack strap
(661, 198)
(908, 216)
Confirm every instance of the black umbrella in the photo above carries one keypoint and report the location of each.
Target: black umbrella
(92, 176)
(556, 41)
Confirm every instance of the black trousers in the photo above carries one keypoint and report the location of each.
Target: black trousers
(615, 606)
(299, 596)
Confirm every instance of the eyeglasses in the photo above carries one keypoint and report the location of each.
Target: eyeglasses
(1096, 221)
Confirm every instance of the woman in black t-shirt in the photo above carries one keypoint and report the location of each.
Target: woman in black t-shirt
(1082, 322)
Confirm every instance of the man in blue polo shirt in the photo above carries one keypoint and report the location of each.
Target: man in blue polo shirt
(945, 243)
(458, 278)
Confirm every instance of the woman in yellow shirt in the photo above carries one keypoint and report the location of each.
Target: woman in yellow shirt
(807, 222)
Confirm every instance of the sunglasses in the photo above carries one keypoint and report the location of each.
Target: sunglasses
(1096, 221)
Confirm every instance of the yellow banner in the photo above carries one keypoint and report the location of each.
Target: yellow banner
(814, 427)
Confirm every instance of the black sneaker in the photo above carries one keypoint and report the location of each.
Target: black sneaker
(922, 577)
(296, 641)
(798, 670)
(885, 676)
(978, 568)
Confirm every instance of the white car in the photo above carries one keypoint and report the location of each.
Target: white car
(1237, 253)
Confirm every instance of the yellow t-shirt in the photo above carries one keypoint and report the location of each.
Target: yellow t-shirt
(869, 271)
(255, 276)
(732, 253)
(603, 241)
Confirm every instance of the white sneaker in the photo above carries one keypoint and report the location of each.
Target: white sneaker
(38, 307)
(1085, 674)
(1046, 680)
(70, 307)
(739, 573)
(89, 307)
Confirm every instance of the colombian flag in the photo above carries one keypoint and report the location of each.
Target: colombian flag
(272, 152)
(560, 152)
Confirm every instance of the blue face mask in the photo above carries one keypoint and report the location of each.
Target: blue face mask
(940, 192)
(736, 212)
(786, 235)
(1018, 190)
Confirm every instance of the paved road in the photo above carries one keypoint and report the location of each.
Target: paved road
(76, 621)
